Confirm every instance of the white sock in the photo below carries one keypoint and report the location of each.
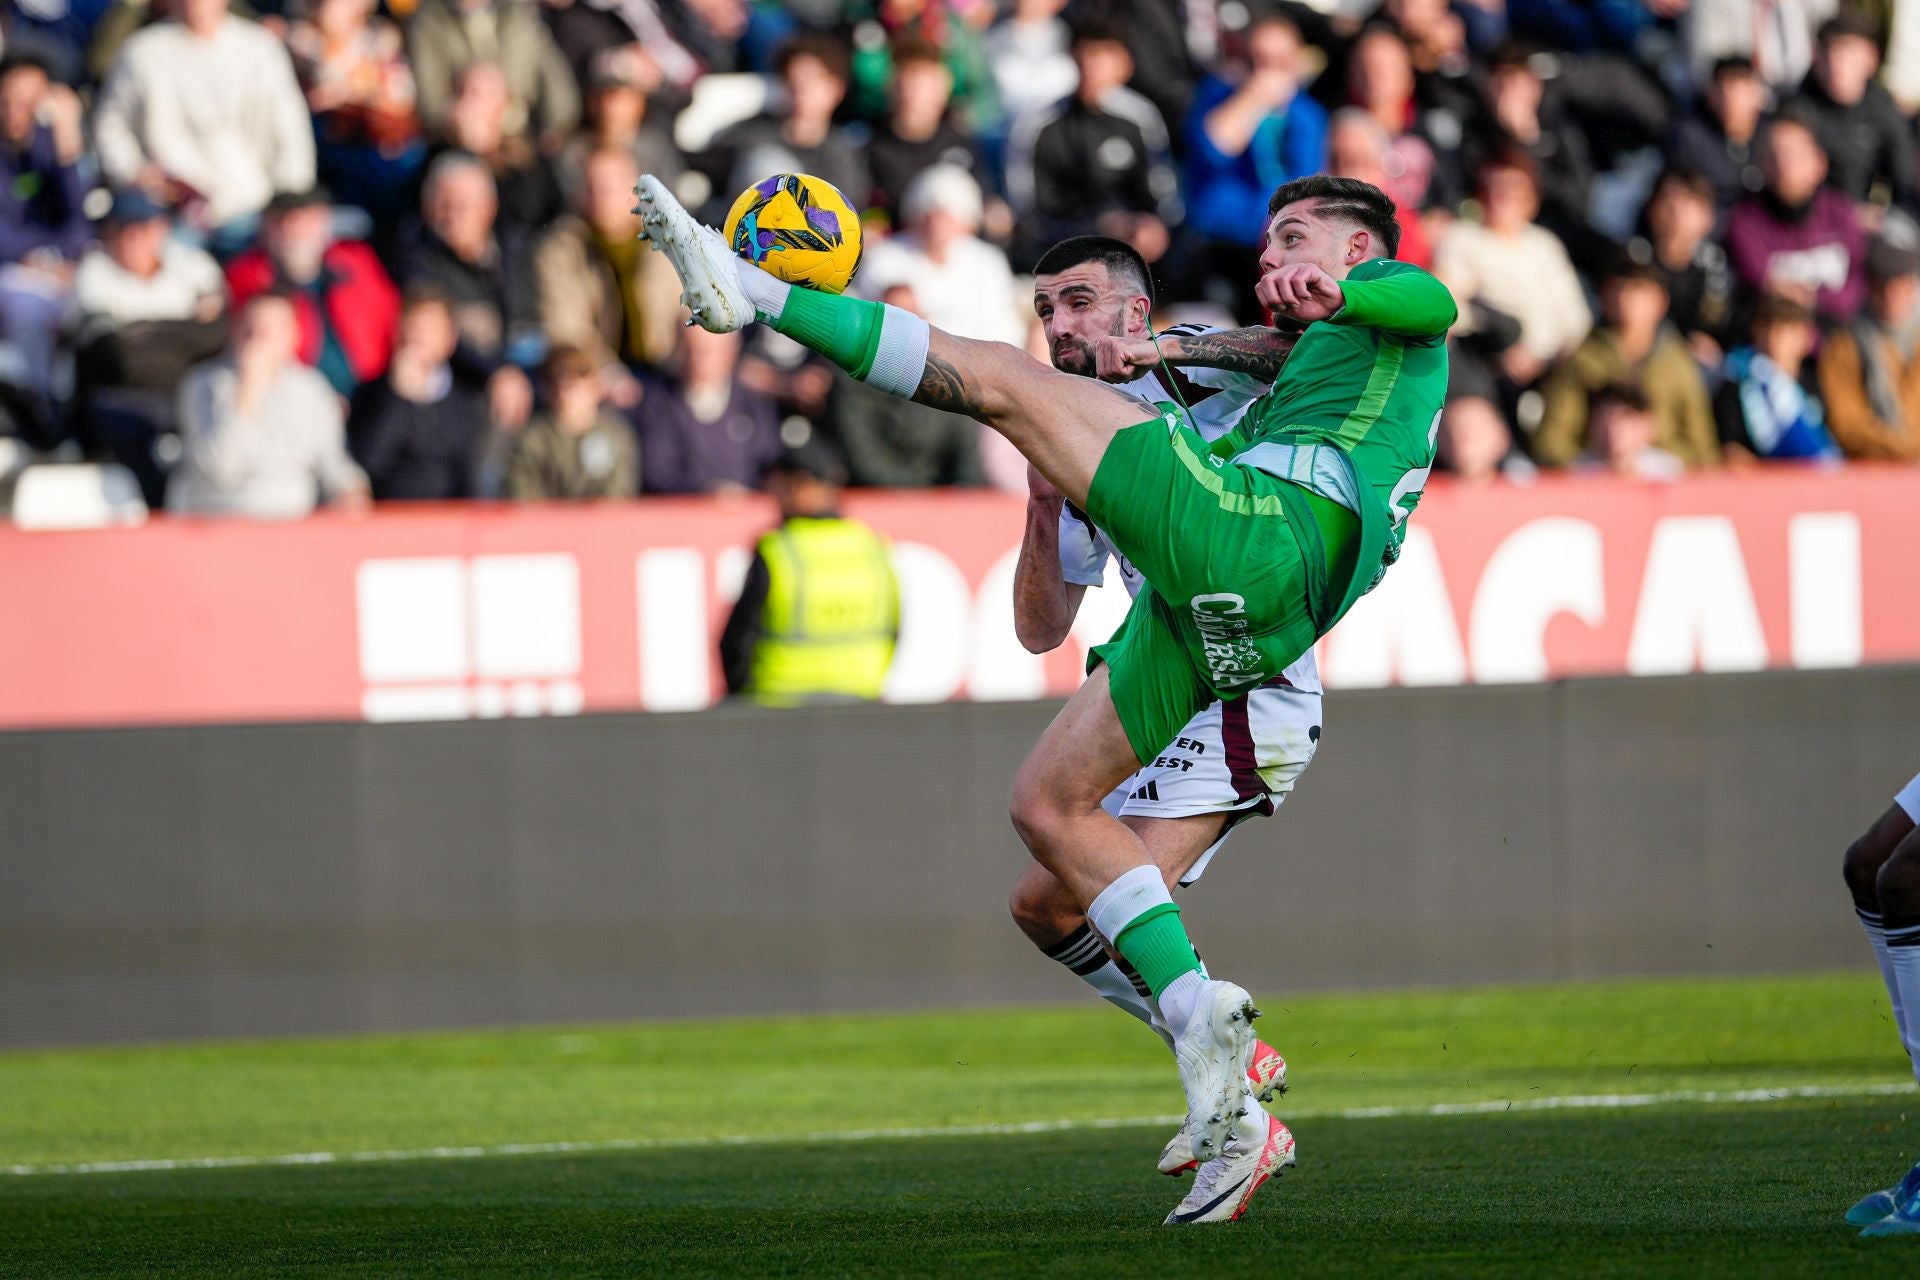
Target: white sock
(1177, 1001)
(1085, 956)
(1903, 954)
(1877, 935)
(766, 291)
(1127, 899)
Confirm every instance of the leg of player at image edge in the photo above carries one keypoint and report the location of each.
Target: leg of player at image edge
(1884, 870)
(1238, 1145)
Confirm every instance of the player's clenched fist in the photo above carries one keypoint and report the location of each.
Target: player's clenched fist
(1123, 359)
(1301, 292)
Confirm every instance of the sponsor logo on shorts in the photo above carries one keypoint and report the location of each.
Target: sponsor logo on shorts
(1230, 653)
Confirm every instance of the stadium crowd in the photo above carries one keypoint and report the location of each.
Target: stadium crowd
(370, 250)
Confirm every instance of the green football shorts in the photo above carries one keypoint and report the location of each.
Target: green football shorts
(1238, 565)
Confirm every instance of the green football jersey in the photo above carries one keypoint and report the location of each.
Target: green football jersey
(1369, 382)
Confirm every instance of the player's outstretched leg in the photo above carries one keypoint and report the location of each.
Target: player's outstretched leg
(1883, 874)
(1082, 756)
(1062, 424)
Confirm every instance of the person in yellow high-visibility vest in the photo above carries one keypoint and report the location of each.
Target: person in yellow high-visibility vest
(819, 611)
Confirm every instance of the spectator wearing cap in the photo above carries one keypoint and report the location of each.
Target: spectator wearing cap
(352, 66)
(621, 114)
(1678, 244)
(813, 73)
(896, 443)
(146, 310)
(576, 449)
(1721, 138)
(1028, 55)
(1799, 237)
(420, 430)
(1249, 130)
(42, 224)
(601, 288)
(445, 37)
(1097, 161)
(347, 305)
(1763, 407)
(964, 283)
(1623, 438)
(1631, 345)
(703, 429)
(262, 433)
(1870, 367)
(819, 610)
(1867, 140)
(917, 132)
(206, 110)
(1509, 264)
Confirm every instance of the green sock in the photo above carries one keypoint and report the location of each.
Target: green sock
(1155, 943)
(844, 330)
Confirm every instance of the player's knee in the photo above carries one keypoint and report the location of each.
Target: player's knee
(1861, 867)
(1897, 885)
(1037, 810)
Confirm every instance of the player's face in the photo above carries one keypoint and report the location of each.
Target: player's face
(1298, 233)
(1082, 303)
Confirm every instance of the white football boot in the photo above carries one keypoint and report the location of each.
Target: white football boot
(1258, 1148)
(1213, 1051)
(709, 273)
(1267, 1077)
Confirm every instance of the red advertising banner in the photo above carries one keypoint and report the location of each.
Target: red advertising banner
(458, 611)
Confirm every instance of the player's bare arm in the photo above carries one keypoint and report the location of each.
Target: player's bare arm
(1044, 602)
(1257, 351)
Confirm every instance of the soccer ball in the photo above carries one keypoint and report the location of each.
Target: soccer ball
(797, 227)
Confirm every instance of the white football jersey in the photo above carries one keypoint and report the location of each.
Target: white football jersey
(1085, 549)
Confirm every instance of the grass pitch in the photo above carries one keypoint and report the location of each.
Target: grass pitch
(402, 1176)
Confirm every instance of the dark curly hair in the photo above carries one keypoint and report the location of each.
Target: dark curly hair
(1346, 198)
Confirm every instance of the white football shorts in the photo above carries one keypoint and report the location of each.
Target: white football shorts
(1239, 758)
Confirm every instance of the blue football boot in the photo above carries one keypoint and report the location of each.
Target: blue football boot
(1898, 1206)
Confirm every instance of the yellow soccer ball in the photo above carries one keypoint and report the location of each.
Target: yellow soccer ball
(797, 227)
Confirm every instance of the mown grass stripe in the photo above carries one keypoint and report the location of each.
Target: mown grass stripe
(1494, 1106)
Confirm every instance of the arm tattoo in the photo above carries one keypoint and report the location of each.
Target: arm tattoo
(943, 387)
(1257, 351)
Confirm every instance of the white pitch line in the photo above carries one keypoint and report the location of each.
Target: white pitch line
(1568, 1102)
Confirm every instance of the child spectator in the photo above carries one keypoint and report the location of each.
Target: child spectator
(576, 449)
(1764, 409)
(1621, 438)
(1632, 345)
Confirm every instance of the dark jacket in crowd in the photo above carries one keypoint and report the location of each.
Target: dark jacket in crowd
(687, 455)
(1867, 142)
(40, 201)
(1073, 162)
(495, 302)
(894, 162)
(418, 451)
(895, 443)
(1700, 144)
(743, 153)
